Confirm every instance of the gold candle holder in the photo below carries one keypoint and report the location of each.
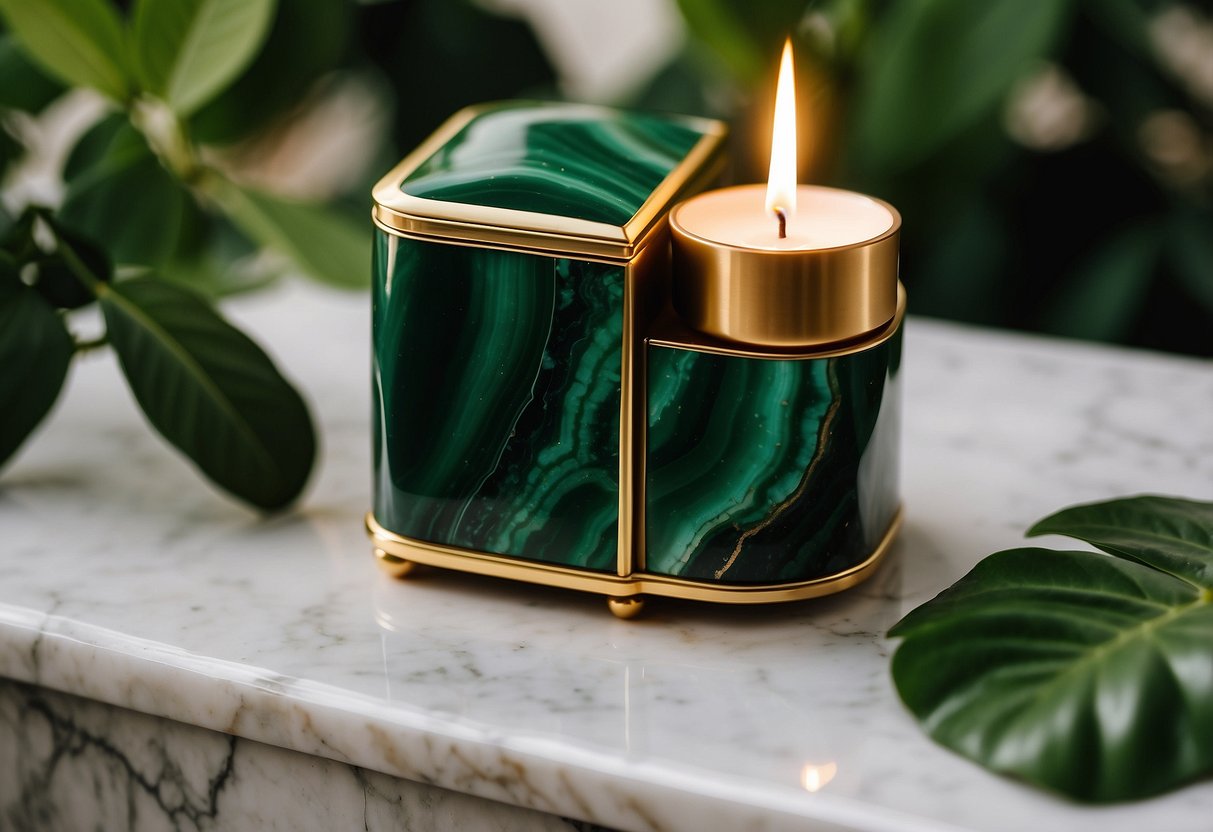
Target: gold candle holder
(781, 298)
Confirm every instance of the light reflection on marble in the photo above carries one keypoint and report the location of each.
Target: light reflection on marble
(123, 579)
(742, 691)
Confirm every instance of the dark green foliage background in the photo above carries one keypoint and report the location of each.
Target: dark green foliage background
(906, 99)
(1093, 240)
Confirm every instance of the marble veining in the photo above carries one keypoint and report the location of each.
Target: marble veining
(123, 579)
(70, 763)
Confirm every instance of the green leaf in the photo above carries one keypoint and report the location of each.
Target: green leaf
(210, 391)
(1086, 674)
(1191, 251)
(55, 279)
(1102, 299)
(119, 193)
(320, 242)
(429, 38)
(35, 351)
(748, 36)
(80, 42)
(1172, 535)
(934, 67)
(10, 150)
(17, 241)
(190, 50)
(306, 41)
(22, 85)
(214, 277)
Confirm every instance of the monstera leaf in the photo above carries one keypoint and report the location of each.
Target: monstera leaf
(1089, 674)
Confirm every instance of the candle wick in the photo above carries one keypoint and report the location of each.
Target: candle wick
(782, 216)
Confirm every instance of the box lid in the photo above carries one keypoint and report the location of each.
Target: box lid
(551, 177)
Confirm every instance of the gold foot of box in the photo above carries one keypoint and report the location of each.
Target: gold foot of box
(398, 556)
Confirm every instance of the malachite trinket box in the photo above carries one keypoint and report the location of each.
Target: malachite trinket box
(544, 409)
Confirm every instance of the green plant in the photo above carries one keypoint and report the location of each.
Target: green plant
(1089, 674)
(150, 226)
(1053, 159)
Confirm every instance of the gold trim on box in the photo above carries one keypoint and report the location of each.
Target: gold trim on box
(396, 554)
(397, 211)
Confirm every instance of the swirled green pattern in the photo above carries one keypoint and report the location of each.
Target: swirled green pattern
(562, 159)
(762, 471)
(497, 391)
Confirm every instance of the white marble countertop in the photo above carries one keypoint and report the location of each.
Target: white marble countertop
(123, 578)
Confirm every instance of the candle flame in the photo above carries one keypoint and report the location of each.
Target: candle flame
(781, 181)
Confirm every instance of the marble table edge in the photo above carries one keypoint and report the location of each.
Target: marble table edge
(531, 771)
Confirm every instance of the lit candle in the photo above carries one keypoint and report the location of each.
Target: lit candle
(785, 265)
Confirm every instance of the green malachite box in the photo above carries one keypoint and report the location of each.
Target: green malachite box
(540, 413)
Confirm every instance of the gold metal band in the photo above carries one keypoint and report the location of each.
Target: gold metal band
(395, 552)
(673, 333)
(782, 298)
(398, 212)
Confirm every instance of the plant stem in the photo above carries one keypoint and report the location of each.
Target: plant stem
(91, 344)
(166, 136)
(75, 265)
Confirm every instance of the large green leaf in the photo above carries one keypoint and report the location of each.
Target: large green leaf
(22, 85)
(35, 351)
(119, 193)
(319, 241)
(1083, 673)
(1172, 535)
(306, 41)
(934, 67)
(80, 42)
(210, 391)
(189, 50)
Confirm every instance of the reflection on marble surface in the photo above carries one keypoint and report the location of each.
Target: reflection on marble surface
(164, 598)
(71, 763)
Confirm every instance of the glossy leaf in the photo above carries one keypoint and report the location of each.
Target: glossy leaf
(190, 50)
(35, 351)
(1084, 673)
(1172, 535)
(210, 391)
(80, 42)
(22, 85)
(935, 67)
(319, 241)
(118, 192)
